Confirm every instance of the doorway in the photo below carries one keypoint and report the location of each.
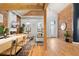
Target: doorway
(53, 28)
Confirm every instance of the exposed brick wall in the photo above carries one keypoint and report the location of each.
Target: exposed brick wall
(5, 17)
(65, 16)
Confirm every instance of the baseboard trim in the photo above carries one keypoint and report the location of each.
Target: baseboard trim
(75, 42)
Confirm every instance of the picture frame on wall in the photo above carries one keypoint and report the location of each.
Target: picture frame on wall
(63, 26)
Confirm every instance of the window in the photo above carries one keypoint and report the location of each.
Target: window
(39, 27)
(28, 27)
(1, 18)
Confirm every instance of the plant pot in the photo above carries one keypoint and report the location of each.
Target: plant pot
(66, 39)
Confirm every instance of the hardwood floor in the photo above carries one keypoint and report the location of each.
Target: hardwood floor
(55, 47)
(38, 51)
(58, 47)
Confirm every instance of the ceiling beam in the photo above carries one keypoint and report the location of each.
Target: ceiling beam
(45, 33)
(45, 6)
(34, 13)
(19, 6)
(45, 27)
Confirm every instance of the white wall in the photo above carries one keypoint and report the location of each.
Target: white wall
(11, 18)
(34, 21)
(57, 7)
(51, 16)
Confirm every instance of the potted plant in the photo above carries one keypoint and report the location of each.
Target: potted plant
(6, 30)
(66, 35)
(1, 30)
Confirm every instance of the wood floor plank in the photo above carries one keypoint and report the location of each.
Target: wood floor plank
(60, 47)
(55, 47)
(38, 51)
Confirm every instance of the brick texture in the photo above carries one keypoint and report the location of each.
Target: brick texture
(5, 17)
(65, 16)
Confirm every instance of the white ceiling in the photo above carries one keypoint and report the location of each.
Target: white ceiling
(20, 12)
(57, 7)
(32, 17)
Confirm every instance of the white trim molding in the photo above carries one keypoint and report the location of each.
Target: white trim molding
(75, 42)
